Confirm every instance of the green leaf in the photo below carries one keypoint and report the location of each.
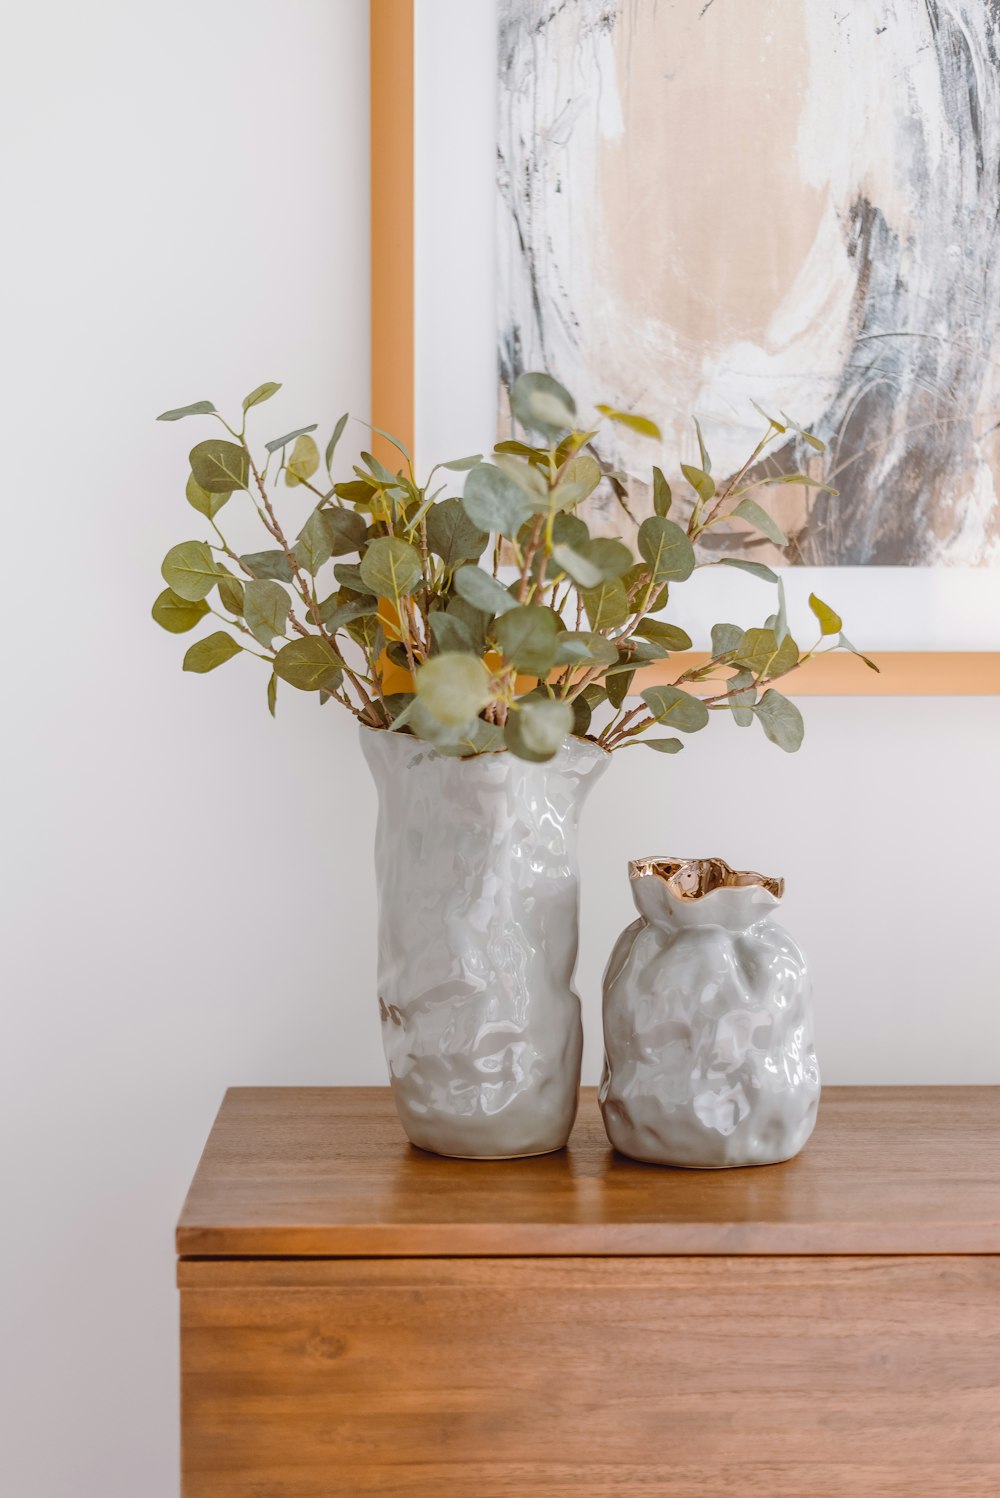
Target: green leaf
(725, 638)
(800, 478)
(640, 424)
(829, 622)
(526, 477)
(482, 590)
(568, 530)
(278, 442)
(309, 664)
(303, 462)
(474, 620)
(606, 605)
(635, 651)
(450, 634)
(390, 568)
(312, 547)
(662, 496)
(213, 651)
(701, 482)
(261, 394)
(476, 737)
(760, 653)
(526, 636)
(540, 403)
(266, 607)
(344, 607)
(201, 500)
(845, 642)
(776, 424)
(220, 467)
(272, 695)
(348, 575)
(618, 686)
(190, 570)
(355, 492)
(585, 574)
(579, 647)
(780, 720)
(176, 614)
(345, 529)
(453, 687)
(681, 709)
(756, 569)
(666, 550)
(582, 714)
(662, 746)
(493, 502)
(198, 408)
(268, 564)
(451, 534)
(582, 474)
(706, 462)
(743, 703)
(536, 728)
(750, 511)
(460, 465)
(667, 635)
(230, 592)
(611, 558)
(331, 446)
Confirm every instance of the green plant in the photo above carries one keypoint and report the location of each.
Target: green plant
(460, 598)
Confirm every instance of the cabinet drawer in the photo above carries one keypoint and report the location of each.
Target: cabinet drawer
(591, 1377)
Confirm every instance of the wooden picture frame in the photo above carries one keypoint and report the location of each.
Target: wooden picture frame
(393, 385)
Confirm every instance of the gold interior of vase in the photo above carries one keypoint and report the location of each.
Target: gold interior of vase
(692, 878)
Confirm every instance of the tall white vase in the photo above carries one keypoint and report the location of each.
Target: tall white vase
(708, 1029)
(476, 865)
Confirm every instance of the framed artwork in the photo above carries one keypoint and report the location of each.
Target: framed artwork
(685, 209)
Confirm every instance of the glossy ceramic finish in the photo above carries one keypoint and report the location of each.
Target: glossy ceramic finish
(477, 887)
(708, 1032)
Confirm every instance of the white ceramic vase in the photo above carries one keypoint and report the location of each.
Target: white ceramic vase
(708, 1031)
(476, 866)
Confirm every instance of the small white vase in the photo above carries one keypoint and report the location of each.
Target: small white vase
(708, 1030)
(476, 863)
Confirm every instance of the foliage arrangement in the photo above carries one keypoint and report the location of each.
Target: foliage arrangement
(490, 619)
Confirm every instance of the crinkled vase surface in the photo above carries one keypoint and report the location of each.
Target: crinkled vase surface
(708, 1030)
(476, 866)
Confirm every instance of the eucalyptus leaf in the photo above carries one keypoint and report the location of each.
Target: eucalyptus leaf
(213, 651)
(482, 590)
(312, 547)
(780, 720)
(303, 462)
(261, 394)
(348, 575)
(460, 465)
(666, 550)
(845, 642)
(540, 403)
(525, 476)
(582, 648)
(266, 607)
(272, 695)
(662, 497)
(611, 558)
(391, 568)
(662, 746)
(230, 592)
(452, 535)
(830, 623)
(197, 408)
(701, 482)
(331, 446)
(584, 473)
(474, 620)
(219, 467)
(345, 529)
(189, 568)
(606, 605)
(618, 686)
(176, 614)
(309, 664)
(537, 726)
(670, 636)
(476, 737)
(754, 515)
(272, 564)
(201, 500)
(450, 634)
(706, 462)
(526, 636)
(726, 638)
(640, 424)
(344, 607)
(582, 714)
(493, 502)
(743, 702)
(679, 708)
(279, 442)
(760, 653)
(570, 530)
(453, 687)
(584, 573)
(755, 569)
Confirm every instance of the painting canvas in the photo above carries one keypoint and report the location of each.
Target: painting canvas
(709, 203)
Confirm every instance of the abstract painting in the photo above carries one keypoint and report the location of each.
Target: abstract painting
(709, 203)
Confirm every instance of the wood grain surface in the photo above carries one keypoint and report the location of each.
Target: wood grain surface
(592, 1378)
(328, 1171)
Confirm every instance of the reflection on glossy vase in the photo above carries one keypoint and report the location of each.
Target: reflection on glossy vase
(708, 1033)
(476, 867)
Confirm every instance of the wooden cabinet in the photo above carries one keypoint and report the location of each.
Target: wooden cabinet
(361, 1318)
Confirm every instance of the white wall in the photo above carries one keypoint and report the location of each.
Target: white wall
(188, 895)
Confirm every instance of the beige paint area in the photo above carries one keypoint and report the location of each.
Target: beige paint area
(691, 191)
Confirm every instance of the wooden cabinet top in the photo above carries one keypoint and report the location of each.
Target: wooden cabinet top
(327, 1172)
